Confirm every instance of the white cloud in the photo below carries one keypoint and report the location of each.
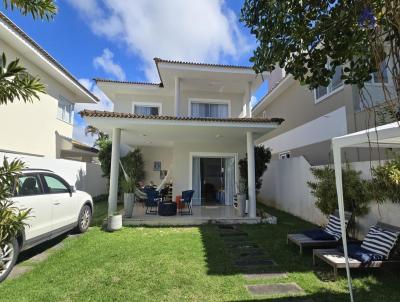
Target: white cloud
(203, 31)
(79, 123)
(106, 62)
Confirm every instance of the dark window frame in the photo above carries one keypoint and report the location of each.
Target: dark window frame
(40, 185)
(62, 180)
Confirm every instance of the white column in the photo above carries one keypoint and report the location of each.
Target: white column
(251, 174)
(177, 95)
(114, 171)
(246, 101)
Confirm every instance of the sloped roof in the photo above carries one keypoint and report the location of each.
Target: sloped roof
(43, 52)
(96, 113)
(158, 60)
(127, 82)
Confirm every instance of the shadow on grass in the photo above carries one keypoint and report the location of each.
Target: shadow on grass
(41, 248)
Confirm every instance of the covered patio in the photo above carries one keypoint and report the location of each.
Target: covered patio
(185, 137)
(201, 215)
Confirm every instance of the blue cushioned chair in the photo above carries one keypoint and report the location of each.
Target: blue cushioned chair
(152, 201)
(187, 202)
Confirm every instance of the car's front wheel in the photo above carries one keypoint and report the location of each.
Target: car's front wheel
(8, 256)
(85, 217)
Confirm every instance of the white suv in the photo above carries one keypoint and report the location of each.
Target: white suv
(56, 208)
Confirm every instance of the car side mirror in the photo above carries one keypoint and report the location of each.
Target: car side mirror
(72, 189)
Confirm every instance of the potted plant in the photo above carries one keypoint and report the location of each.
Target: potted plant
(241, 198)
(129, 187)
(114, 222)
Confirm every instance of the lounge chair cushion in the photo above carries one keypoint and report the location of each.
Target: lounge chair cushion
(333, 227)
(379, 241)
(355, 251)
(318, 234)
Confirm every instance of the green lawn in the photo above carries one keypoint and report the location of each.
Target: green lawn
(179, 264)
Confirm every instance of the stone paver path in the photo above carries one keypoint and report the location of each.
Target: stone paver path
(255, 264)
(265, 276)
(274, 289)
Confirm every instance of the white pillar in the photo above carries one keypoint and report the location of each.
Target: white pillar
(177, 95)
(114, 171)
(337, 160)
(251, 175)
(246, 101)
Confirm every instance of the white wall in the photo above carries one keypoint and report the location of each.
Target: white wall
(32, 127)
(84, 176)
(152, 154)
(285, 187)
(315, 131)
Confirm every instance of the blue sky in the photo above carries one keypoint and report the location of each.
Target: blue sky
(118, 39)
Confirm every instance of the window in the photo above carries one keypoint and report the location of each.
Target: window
(214, 110)
(264, 114)
(65, 110)
(284, 155)
(143, 109)
(28, 185)
(336, 83)
(377, 78)
(55, 185)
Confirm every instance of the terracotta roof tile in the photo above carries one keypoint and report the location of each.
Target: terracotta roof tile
(96, 113)
(128, 82)
(36, 46)
(158, 60)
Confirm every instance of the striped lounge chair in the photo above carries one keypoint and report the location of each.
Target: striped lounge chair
(330, 236)
(380, 248)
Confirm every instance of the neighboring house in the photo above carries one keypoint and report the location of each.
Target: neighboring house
(314, 117)
(196, 123)
(44, 127)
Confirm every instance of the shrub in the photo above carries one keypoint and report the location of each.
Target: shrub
(105, 147)
(133, 164)
(262, 157)
(385, 184)
(11, 217)
(356, 191)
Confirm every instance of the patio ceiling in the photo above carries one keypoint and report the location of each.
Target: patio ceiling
(164, 131)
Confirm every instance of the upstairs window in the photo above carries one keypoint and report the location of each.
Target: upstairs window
(65, 110)
(284, 155)
(211, 110)
(264, 114)
(379, 77)
(146, 109)
(336, 82)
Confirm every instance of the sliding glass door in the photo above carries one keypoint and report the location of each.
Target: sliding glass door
(213, 180)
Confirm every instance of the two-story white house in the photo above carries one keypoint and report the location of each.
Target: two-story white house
(196, 123)
(42, 128)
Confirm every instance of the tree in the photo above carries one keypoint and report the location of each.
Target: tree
(104, 144)
(101, 136)
(133, 164)
(356, 191)
(15, 81)
(262, 157)
(302, 36)
(11, 218)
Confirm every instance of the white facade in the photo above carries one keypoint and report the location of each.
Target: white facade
(203, 106)
(39, 128)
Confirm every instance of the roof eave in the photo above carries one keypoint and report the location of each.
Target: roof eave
(25, 41)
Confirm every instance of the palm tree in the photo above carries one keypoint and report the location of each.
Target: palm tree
(101, 136)
(15, 81)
